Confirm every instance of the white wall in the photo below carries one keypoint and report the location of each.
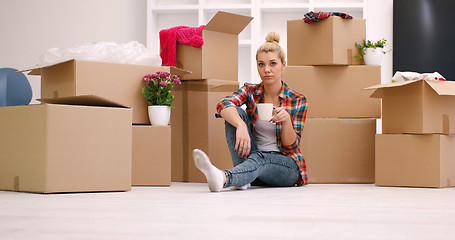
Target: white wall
(29, 27)
(380, 25)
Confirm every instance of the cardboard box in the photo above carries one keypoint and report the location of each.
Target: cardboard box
(151, 155)
(339, 150)
(336, 91)
(121, 83)
(417, 106)
(218, 57)
(54, 148)
(327, 42)
(194, 126)
(415, 160)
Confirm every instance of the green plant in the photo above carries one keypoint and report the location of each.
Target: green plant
(158, 87)
(370, 44)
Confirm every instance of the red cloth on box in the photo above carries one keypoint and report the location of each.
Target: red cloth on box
(183, 35)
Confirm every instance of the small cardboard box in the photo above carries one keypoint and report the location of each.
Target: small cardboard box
(151, 155)
(417, 106)
(327, 42)
(121, 83)
(336, 91)
(415, 160)
(339, 150)
(194, 126)
(218, 57)
(54, 148)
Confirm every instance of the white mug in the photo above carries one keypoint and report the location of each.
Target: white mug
(265, 111)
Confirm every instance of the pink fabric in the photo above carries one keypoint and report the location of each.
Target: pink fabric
(183, 35)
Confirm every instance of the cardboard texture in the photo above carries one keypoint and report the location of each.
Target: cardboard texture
(218, 57)
(415, 160)
(53, 148)
(417, 106)
(194, 126)
(121, 83)
(327, 42)
(336, 91)
(339, 150)
(151, 155)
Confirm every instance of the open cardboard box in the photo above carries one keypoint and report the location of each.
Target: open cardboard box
(121, 83)
(336, 91)
(419, 106)
(218, 57)
(194, 126)
(415, 160)
(151, 155)
(54, 148)
(339, 150)
(328, 42)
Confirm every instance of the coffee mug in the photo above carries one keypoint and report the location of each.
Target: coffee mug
(265, 111)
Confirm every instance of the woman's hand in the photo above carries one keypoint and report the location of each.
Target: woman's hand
(280, 115)
(242, 141)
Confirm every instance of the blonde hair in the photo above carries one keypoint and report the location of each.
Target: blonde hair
(272, 45)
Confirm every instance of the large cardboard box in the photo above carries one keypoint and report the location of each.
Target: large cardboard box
(339, 150)
(336, 91)
(415, 160)
(218, 57)
(121, 83)
(151, 155)
(327, 42)
(194, 126)
(417, 106)
(53, 148)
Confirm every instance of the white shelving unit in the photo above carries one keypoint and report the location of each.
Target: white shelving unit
(269, 15)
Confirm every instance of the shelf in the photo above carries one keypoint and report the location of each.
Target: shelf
(175, 8)
(246, 7)
(276, 7)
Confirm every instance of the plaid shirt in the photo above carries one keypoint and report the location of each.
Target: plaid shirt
(295, 104)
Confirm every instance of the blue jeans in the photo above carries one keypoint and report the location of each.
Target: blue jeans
(270, 168)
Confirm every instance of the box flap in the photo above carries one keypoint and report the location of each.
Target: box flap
(178, 71)
(36, 70)
(442, 87)
(378, 88)
(228, 23)
(85, 100)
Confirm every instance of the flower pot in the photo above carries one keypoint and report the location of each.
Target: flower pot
(159, 115)
(373, 56)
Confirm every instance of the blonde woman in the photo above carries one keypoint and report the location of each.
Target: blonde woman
(264, 152)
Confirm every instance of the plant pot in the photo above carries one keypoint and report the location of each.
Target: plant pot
(159, 115)
(373, 56)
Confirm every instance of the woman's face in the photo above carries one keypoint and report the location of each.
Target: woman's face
(270, 67)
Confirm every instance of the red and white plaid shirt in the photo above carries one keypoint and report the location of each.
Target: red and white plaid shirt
(295, 104)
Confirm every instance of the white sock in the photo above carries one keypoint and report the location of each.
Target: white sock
(214, 175)
(244, 187)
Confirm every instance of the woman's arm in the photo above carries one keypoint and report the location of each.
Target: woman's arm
(288, 134)
(242, 141)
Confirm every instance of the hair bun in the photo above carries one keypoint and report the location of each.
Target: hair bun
(273, 37)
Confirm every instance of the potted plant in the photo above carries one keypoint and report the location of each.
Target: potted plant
(157, 91)
(371, 51)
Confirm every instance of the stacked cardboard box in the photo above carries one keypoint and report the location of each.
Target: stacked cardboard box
(338, 137)
(81, 138)
(417, 147)
(214, 76)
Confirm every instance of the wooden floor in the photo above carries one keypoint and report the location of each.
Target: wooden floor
(190, 211)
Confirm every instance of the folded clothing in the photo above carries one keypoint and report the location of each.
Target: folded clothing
(181, 34)
(409, 76)
(312, 17)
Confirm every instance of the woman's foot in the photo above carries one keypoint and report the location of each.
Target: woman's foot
(215, 177)
(244, 187)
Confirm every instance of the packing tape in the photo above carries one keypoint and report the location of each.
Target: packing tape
(445, 124)
(16, 184)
